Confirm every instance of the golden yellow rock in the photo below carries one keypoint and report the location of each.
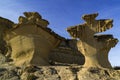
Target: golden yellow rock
(31, 42)
(95, 48)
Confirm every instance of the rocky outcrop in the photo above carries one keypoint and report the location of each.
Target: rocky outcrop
(8, 72)
(5, 25)
(67, 53)
(29, 48)
(95, 48)
(33, 17)
(31, 40)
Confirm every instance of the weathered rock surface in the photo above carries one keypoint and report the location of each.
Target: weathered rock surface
(2, 59)
(29, 45)
(94, 47)
(30, 41)
(9, 72)
(67, 52)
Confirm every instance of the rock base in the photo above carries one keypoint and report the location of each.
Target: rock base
(9, 72)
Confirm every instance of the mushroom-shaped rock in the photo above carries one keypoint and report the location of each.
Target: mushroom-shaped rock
(95, 48)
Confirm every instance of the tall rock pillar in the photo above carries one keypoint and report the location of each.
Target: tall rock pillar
(94, 47)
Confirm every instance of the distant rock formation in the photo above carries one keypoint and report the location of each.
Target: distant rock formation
(94, 47)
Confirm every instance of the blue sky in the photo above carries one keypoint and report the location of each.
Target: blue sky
(64, 13)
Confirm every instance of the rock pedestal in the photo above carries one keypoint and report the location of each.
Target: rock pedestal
(95, 48)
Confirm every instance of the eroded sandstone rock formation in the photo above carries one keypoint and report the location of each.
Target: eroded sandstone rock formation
(67, 53)
(94, 47)
(31, 40)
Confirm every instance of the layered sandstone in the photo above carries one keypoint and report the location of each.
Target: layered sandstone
(31, 40)
(28, 46)
(67, 53)
(94, 47)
